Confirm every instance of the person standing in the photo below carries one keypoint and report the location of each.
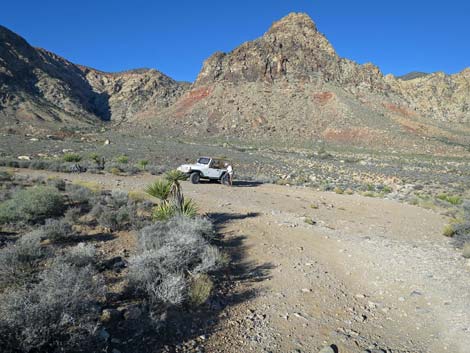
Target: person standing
(230, 173)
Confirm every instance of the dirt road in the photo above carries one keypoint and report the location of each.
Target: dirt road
(315, 268)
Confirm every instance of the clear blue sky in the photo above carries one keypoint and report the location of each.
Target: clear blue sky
(176, 36)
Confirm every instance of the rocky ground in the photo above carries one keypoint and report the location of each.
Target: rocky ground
(312, 269)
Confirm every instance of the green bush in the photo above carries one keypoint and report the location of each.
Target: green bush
(452, 199)
(32, 204)
(143, 164)
(123, 159)
(72, 157)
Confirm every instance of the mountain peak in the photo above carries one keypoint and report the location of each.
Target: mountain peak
(293, 22)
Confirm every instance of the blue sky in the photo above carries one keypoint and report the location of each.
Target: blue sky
(176, 36)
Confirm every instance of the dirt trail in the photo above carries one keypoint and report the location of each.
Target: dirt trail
(368, 274)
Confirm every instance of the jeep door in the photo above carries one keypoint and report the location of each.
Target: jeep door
(214, 170)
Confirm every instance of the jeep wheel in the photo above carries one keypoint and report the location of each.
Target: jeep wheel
(194, 178)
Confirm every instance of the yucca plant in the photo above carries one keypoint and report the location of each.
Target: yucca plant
(159, 189)
(163, 212)
(189, 208)
(168, 191)
(174, 177)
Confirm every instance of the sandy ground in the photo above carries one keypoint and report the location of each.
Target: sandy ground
(366, 274)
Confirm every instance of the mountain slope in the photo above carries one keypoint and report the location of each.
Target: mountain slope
(39, 87)
(291, 86)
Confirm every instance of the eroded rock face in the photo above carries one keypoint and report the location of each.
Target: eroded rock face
(438, 96)
(128, 93)
(292, 49)
(37, 85)
(290, 85)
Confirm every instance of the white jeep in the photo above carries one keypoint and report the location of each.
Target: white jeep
(206, 168)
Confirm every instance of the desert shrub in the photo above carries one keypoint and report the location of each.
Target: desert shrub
(58, 183)
(123, 159)
(142, 164)
(156, 170)
(169, 290)
(132, 170)
(19, 260)
(57, 230)
(39, 164)
(72, 215)
(115, 171)
(24, 164)
(461, 227)
(113, 219)
(448, 230)
(4, 176)
(117, 199)
(72, 157)
(198, 225)
(338, 190)
(32, 204)
(98, 160)
(200, 290)
(80, 255)
(452, 199)
(12, 163)
(78, 195)
(188, 234)
(212, 259)
(57, 166)
(58, 314)
(173, 257)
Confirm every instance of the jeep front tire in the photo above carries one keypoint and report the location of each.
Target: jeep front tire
(194, 178)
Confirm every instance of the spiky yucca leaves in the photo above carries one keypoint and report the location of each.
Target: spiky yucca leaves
(189, 208)
(160, 189)
(163, 212)
(174, 177)
(172, 202)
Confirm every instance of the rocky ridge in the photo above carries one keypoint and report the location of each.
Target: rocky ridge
(37, 86)
(289, 84)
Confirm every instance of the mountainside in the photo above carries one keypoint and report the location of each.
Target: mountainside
(39, 87)
(289, 85)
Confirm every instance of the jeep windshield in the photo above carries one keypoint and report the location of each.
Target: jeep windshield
(203, 160)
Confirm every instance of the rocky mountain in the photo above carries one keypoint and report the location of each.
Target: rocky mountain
(287, 86)
(291, 85)
(38, 87)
